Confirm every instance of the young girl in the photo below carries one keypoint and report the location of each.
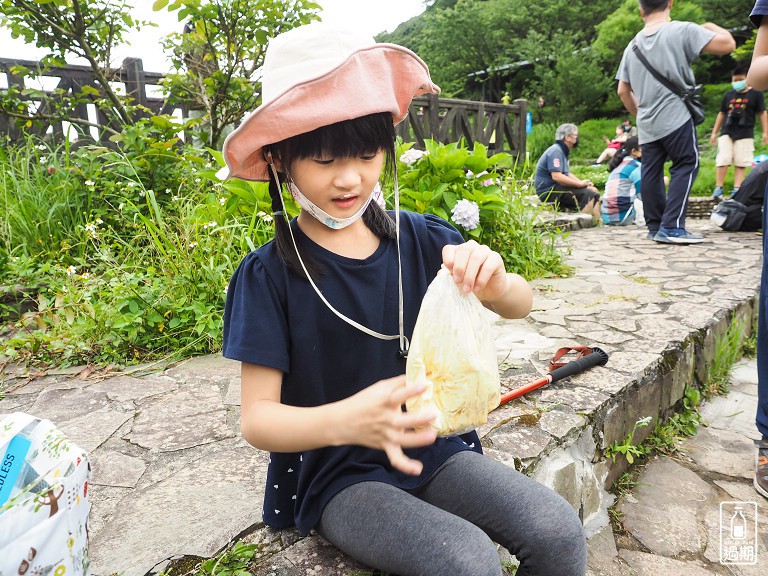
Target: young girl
(623, 186)
(613, 146)
(320, 319)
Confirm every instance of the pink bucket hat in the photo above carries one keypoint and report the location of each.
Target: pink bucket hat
(316, 75)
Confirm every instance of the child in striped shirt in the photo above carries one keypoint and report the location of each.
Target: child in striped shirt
(623, 185)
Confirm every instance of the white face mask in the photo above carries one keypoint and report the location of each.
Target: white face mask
(323, 216)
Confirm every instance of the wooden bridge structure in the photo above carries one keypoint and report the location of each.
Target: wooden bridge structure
(501, 127)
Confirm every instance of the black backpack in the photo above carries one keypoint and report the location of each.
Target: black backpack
(731, 215)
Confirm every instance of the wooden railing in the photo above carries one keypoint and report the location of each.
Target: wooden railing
(500, 127)
(71, 80)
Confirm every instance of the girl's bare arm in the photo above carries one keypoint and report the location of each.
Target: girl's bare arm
(372, 418)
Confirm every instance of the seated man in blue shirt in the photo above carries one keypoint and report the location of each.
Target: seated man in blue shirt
(554, 181)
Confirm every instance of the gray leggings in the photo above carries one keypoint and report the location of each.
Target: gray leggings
(446, 527)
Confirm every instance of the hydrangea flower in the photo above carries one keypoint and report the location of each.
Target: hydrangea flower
(466, 214)
(412, 156)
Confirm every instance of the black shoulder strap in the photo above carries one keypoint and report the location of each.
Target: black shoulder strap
(655, 73)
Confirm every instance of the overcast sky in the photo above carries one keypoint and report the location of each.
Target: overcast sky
(371, 16)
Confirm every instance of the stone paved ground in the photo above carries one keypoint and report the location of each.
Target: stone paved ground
(671, 518)
(172, 477)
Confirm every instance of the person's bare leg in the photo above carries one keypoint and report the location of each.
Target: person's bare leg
(720, 173)
(738, 175)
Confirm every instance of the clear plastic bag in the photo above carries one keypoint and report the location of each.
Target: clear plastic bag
(452, 350)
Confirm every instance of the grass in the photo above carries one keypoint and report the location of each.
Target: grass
(728, 350)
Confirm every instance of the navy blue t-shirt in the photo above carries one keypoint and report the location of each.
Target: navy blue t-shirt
(274, 318)
(554, 159)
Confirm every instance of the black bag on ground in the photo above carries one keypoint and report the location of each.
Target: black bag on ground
(730, 214)
(744, 212)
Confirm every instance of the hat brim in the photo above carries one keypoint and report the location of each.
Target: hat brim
(379, 78)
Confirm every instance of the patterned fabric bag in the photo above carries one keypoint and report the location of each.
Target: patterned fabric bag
(43, 500)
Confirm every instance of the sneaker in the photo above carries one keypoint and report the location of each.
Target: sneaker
(761, 468)
(717, 192)
(652, 234)
(677, 236)
(734, 192)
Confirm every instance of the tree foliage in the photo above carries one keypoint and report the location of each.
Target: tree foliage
(217, 57)
(86, 28)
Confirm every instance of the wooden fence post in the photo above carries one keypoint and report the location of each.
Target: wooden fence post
(133, 70)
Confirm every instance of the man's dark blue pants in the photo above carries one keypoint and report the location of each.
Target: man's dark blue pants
(762, 334)
(667, 208)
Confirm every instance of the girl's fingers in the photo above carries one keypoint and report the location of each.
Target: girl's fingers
(404, 391)
(415, 420)
(401, 462)
(418, 439)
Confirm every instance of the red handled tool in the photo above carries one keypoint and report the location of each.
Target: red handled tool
(586, 359)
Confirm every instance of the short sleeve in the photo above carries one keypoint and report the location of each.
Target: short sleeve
(724, 103)
(697, 37)
(622, 74)
(759, 102)
(760, 9)
(556, 162)
(255, 325)
(439, 233)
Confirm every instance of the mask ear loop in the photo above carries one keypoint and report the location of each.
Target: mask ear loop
(401, 335)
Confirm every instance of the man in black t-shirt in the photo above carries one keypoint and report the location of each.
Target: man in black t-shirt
(736, 144)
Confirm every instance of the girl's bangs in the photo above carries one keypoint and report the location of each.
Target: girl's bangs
(348, 139)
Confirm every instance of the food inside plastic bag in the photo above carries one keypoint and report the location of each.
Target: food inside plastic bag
(452, 350)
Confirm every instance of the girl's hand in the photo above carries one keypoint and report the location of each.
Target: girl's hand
(374, 418)
(476, 268)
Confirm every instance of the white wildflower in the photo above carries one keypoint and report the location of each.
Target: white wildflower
(43, 160)
(71, 271)
(99, 221)
(466, 214)
(193, 244)
(142, 194)
(268, 218)
(121, 206)
(90, 183)
(175, 198)
(41, 147)
(167, 190)
(222, 201)
(131, 184)
(411, 156)
(85, 276)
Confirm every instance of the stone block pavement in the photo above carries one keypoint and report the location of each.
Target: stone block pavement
(172, 477)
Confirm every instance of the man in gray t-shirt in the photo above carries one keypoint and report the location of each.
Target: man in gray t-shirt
(665, 128)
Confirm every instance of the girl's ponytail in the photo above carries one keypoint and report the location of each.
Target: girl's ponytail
(283, 240)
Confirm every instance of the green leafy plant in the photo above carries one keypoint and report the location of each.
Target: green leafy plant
(626, 447)
(444, 175)
(232, 562)
(667, 435)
